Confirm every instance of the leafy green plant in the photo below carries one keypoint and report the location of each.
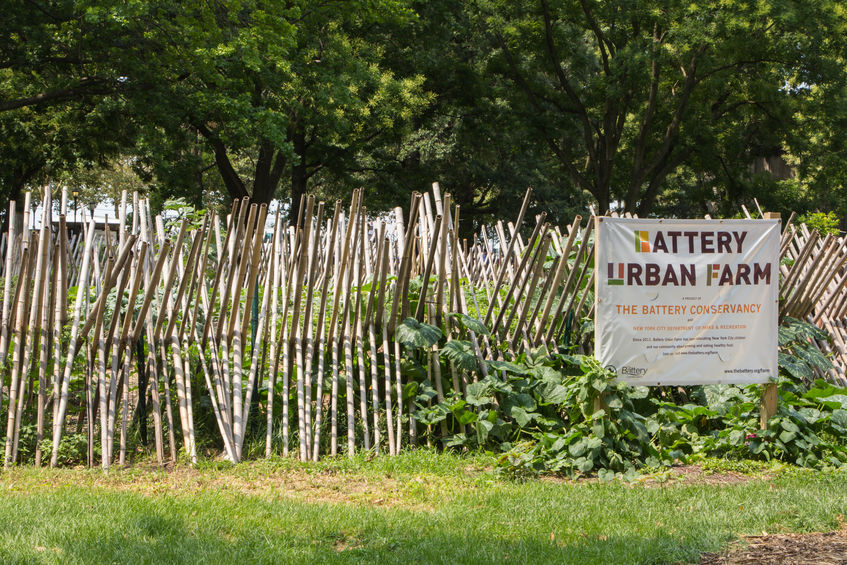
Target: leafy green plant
(823, 222)
(551, 412)
(798, 356)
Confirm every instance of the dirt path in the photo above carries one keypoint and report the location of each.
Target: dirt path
(796, 549)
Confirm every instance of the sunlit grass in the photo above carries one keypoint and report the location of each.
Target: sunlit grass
(420, 507)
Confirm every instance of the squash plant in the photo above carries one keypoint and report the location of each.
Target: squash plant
(538, 411)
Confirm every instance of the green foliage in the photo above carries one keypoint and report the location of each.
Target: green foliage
(799, 357)
(414, 334)
(659, 106)
(471, 324)
(565, 414)
(177, 209)
(461, 354)
(823, 222)
(370, 508)
(73, 448)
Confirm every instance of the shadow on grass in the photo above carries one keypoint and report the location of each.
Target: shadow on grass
(91, 526)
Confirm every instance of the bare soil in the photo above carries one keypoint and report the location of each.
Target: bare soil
(828, 548)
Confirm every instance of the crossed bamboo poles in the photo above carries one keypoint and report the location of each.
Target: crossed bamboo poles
(221, 315)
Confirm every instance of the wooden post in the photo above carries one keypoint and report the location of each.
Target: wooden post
(600, 403)
(769, 403)
(769, 391)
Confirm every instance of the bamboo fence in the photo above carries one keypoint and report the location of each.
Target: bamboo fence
(258, 327)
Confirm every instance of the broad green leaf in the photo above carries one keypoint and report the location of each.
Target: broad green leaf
(521, 416)
(795, 367)
(507, 367)
(465, 417)
(483, 427)
(789, 426)
(456, 440)
(479, 394)
(553, 393)
(416, 335)
(584, 464)
(412, 370)
(461, 354)
(736, 437)
(786, 436)
(834, 401)
(839, 417)
(471, 324)
(639, 392)
(547, 374)
(523, 400)
(426, 392)
(410, 390)
(578, 448)
(605, 475)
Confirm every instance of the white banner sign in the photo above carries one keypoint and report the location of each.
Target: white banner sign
(687, 302)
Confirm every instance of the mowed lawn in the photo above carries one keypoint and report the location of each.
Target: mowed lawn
(420, 507)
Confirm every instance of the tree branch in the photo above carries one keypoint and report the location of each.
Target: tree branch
(636, 178)
(86, 87)
(564, 159)
(673, 127)
(602, 42)
(588, 129)
(669, 164)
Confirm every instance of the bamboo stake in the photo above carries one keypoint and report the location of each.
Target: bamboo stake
(376, 293)
(392, 441)
(276, 269)
(340, 298)
(346, 324)
(357, 332)
(331, 243)
(400, 304)
(43, 307)
(540, 229)
(313, 252)
(17, 338)
(107, 384)
(286, 341)
(82, 291)
(557, 279)
(562, 300)
(7, 290)
(120, 378)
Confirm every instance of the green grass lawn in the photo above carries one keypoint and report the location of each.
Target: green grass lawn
(420, 507)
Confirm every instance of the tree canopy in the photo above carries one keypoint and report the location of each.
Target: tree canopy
(653, 107)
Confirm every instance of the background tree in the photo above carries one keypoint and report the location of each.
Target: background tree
(664, 108)
(626, 94)
(470, 139)
(290, 87)
(56, 78)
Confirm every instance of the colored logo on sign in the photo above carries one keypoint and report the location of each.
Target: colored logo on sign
(612, 279)
(712, 272)
(642, 241)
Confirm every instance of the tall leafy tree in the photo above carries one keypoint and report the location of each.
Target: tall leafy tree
(264, 92)
(470, 138)
(625, 94)
(290, 87)
(57, 75)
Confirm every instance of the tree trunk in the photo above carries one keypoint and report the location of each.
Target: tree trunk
(269, 168)
(299, 175)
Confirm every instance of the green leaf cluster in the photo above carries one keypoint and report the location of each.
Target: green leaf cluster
(549, 412)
